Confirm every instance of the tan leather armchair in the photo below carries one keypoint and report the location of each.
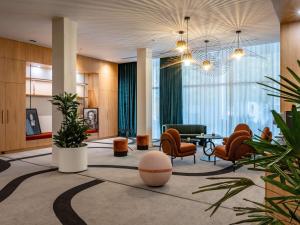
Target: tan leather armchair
(172, 146)
(235, 147)
(266, 134)
(241, 126)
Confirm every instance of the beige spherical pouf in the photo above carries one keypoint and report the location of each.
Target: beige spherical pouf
(155, 168)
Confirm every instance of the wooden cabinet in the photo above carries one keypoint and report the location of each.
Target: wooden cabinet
(15, 116)
(2, 116)
(12, 127)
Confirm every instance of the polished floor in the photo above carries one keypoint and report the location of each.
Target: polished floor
(111, 192)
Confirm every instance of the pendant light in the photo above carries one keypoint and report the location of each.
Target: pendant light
(238, 52)
(206, 64)
(187, 57)
(181, 44)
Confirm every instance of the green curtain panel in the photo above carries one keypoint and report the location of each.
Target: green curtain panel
(127, 99)
(170, 92)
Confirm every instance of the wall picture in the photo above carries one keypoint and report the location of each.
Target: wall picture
(90, 115)
(32, 122)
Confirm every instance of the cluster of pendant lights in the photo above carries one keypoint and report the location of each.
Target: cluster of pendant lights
(186, 55)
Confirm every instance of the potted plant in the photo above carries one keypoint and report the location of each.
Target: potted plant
(69, 140)
(281, 164)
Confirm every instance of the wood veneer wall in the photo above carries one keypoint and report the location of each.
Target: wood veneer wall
(289, 53)
(107, 71)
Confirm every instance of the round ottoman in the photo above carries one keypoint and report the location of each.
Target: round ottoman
(120, 147)
(155, 168)
(142, 142)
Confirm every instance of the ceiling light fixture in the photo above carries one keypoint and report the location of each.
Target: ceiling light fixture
(187, 57)
(181, 44)
(206, 64)
(298, 12)
(238, 52)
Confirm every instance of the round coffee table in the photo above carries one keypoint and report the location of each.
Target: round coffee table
(209, 146)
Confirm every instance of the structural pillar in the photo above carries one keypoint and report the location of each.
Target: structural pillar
(289, 53)
(144, 92)
(64, 51)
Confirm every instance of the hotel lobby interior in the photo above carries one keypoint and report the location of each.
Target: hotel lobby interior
(147, 112)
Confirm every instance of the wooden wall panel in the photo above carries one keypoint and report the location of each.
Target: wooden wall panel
(2, 117)
(107, 92)
(12, 49)
(289, 53)
(38, 54)
(16, 55)
(12, 70)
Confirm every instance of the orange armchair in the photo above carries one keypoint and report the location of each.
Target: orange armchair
(235, 147)
(266, 134)
(172, 146)
(241, 126)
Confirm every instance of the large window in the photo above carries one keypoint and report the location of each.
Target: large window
(230, 95)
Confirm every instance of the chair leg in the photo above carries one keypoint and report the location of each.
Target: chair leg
(254, 157)
(215, 160)
(234, 165)
(172, 160)
(181, 158)
(194, 158)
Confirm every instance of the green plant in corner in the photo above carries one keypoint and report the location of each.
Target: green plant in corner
(73, 129)
(281, 164)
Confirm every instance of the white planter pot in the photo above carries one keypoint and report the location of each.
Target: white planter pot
(72, 160)
(55, 150)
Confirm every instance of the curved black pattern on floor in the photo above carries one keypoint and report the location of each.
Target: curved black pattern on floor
(62, 204)
(4, 165)
(9, 188)
(29, 157)
(210, 173)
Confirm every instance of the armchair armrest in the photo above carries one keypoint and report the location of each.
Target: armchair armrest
(238, 148)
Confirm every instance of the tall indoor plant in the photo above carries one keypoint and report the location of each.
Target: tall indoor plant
(69, 140)
(281, 164)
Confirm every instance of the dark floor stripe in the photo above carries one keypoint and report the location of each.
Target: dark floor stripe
(225, 170)
(62, 205)
(4, 165)
(101, 147)
(29, 157)
(9, 188)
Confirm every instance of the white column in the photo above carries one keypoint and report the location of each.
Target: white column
(64, 51)
(144, 92)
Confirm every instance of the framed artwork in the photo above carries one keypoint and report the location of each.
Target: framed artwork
(90, 116)
(32, 122)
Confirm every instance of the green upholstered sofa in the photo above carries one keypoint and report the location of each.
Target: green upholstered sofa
(187, 130)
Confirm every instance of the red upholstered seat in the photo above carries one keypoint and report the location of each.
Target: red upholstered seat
(49, 135)
(39, 136)
(92, 131)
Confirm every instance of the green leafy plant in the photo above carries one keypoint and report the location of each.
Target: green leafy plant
(281, 164)
(73, 129)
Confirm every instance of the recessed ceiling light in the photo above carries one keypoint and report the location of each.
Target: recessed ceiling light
(298, 12)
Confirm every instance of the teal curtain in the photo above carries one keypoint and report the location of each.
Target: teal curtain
(127, 99)
(170, 92)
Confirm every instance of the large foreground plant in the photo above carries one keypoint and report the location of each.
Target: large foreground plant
(73, 129)
(281, 164)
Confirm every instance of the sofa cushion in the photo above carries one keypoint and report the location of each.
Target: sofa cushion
(187, 147)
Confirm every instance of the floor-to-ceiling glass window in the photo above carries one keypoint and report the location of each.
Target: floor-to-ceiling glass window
(230, 94)
(155, 99)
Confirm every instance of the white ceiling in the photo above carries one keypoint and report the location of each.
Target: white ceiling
(113, 29)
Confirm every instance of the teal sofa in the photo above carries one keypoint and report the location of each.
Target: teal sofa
(187, 130)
